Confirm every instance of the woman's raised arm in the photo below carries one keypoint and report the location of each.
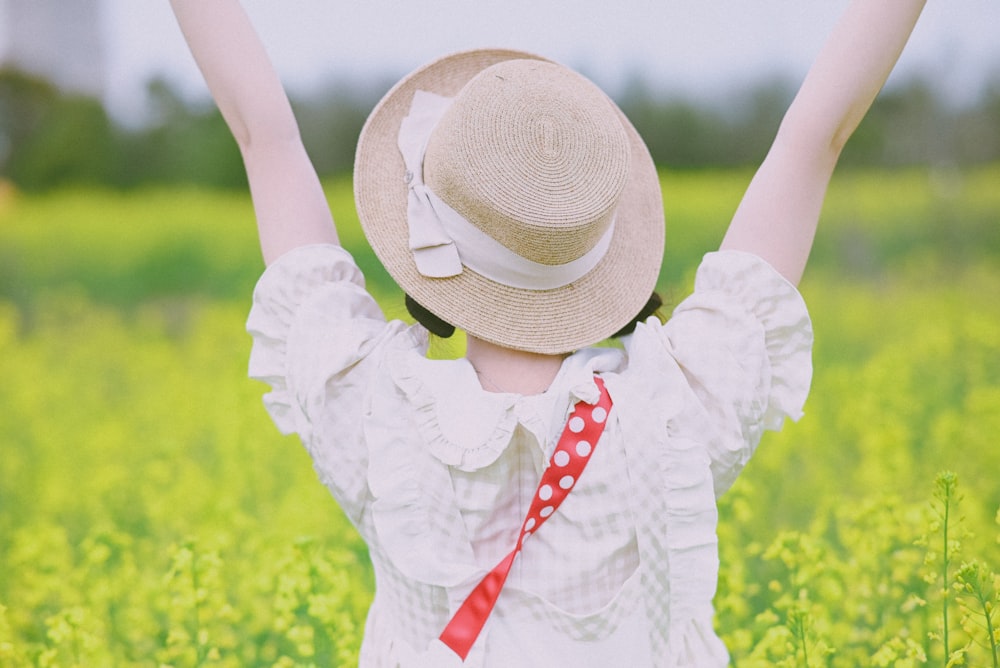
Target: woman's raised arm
(777, 217)
(288, 200)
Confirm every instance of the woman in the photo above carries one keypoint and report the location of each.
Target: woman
(510, 198)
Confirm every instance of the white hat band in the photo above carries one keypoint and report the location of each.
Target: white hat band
(442, 241)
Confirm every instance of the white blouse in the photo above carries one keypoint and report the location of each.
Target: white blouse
(437, 474)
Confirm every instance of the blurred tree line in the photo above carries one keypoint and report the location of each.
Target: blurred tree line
(49, 138)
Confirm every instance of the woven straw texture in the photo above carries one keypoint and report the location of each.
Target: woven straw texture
(587, 166)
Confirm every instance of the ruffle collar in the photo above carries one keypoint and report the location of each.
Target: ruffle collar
(468, 428)
(460, 425)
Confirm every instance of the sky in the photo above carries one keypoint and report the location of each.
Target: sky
(699, 48)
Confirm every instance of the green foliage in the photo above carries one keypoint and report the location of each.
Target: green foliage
(981, 588)
(184, 145)
(49, 139)
(150, 515)
(683, 134)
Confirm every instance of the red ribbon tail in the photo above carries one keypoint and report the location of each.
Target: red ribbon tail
(468, 622)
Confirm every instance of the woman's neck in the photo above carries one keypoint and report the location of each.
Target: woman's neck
(507, 370)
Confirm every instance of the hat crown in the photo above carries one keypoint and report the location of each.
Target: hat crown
(535, 156)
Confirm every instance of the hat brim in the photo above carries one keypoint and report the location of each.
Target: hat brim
(553, 321)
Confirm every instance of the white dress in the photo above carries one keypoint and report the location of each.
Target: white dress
(437, 474)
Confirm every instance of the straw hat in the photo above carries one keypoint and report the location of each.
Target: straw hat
(526, 211)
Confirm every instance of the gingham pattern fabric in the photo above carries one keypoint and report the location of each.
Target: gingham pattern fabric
(437, 474)
(569, 460)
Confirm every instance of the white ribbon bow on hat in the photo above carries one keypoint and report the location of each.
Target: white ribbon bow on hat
(434, 251)
(443, 241)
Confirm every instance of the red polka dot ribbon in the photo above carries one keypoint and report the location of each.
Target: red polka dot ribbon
(583, 429)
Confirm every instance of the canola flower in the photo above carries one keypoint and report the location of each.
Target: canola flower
(151, 516)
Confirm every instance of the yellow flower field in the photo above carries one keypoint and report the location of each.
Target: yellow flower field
(150, 515)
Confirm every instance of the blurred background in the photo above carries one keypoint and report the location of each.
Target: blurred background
(150, 515)
(104, 92)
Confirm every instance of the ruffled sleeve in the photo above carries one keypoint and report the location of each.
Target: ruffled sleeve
(312, 322)
(743, 340)
(305, 286)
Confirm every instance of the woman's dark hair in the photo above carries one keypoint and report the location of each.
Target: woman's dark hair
(439, 327)
(651, 307)
(431, 322)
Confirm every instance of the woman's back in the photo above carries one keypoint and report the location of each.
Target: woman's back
(437, 473)
(511, 198)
